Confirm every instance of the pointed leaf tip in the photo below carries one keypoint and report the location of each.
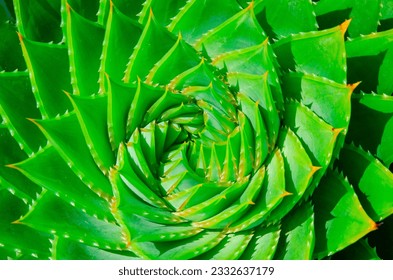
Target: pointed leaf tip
(20, 36)
(337, 131)
(344, 26)
(353, 86)
(17, 222)
(250, 5)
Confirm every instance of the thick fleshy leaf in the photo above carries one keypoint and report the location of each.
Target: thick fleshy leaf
(65, 134)
(375, 51)
(15, 108)
(183, 249)
(340, 219)
(145, 54)
(60, 179)
(121, 36)
(164, 10)
(263, 244)
(298, 172)
(39, 20)
(327, 58)
(360, 250)
(178, 59)
(330, 13)
(281, 18)
(16, 240)
(373, 182)
(84, 40)
(92, 116)
(297, 228)
(208, 13)
(271, 194)
(240, 31)
(373, 115)
(52, 215)
(120, 97)
(67, 249)
(230, 248)
(47, 65)
(318, 94)
(10, 54)
(318, 138)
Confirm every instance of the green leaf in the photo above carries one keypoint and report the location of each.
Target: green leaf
(263, 244)
(230, 248)
(178, 59)
(126, 197)
(297, 228)
(240, 31)
(121, 35)
(373, 115)
(120, 97)
(87, 9)
(67, 249)
(145, 54)
(142, 230)
(187, 248)
(281, 18)
(92, 117)
(164, 10)
(326, 57)
(372, 181)
(11, 57)
(134, 182)
(271, 194)
(12, 204)
(18, 185)
(129, 8)
(10, 150)
(84, 40)
(211, 210)
(360, 250)
(15, 108)
(62, 181)
(375, 51)
(16, 240)
(65, 134)
(298, 170)
(317, 137)
(329, 100)
(340, 219)
(200, 75)
(240, 206)
(330, 13)
(49, 75)
(208, 14)
(52, 215)
(39, 20)
(145, 97)
(259, 127)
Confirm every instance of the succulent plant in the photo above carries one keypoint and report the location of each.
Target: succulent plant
(199, 129)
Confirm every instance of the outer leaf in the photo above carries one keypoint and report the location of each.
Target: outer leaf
(281, 18)
(373, 115)
(327, 58)
(297, 228)
(373, 182)
(339, 217)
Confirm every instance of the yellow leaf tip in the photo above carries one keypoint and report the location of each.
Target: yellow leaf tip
(353, 86)
(344, 26)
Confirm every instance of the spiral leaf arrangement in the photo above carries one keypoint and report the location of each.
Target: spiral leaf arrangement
(199, 129)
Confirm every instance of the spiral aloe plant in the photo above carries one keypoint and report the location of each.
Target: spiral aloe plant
(199, 129)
